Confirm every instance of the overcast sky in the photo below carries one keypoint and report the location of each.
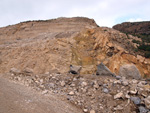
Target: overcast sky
(104, 12)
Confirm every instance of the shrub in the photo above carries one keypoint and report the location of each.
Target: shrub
(144, 47)
(136, 41)
(136, 50)
(147, 55)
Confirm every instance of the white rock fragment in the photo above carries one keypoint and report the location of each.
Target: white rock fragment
(84, 84)
(62, 83)
(117, 82)
(118, 95)
(44, 92)
(96, 86)
(118, 108)
(147, 102)
(41, 80)
(85, 110)
(71, 93)
(134, 81)
(127, 96)
(133, 92)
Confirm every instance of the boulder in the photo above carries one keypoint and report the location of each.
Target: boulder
(103, 70)
(15, 71)
(119, 95)
(74, 69)
(143, 109)
(28, 70)
(136, 100)
(105, 90)
(129, 71)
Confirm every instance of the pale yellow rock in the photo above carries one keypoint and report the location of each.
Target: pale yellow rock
(140, 58)
(147, 102)
(119, 95)
(92, 111)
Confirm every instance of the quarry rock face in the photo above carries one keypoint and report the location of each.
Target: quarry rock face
(44, 46)
(109, 46)
(61, 57)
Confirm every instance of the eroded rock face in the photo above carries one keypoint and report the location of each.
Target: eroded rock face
(109, 46)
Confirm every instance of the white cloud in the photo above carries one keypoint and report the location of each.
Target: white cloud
(105, 12)
(135, 20)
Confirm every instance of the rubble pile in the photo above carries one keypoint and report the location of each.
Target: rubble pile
(92, 93)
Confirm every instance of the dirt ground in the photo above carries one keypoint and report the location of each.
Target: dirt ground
(16, 98)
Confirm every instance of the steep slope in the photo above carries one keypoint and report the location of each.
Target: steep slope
(45, 46)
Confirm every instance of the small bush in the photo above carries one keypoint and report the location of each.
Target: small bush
(136, 50)
(144, 47)
(147, 55)
(144, 37)
(136, 41)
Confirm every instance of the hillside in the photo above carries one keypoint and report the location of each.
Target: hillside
(139, 29)
(55, 44)
(95, 69)
(35, 44)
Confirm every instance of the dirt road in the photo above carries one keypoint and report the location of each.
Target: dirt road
(16, 98)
